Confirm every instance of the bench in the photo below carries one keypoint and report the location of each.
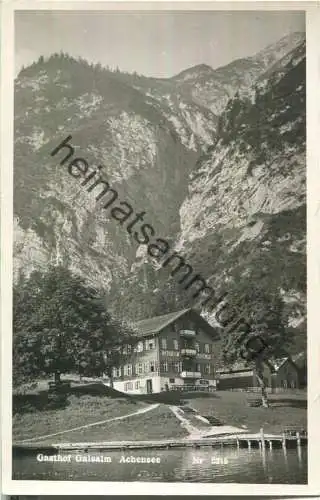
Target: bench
(59, 386)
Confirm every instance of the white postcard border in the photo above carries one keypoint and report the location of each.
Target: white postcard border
(313, 216)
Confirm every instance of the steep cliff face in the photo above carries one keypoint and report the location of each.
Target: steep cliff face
(112, 125)
(246, 203)
(227, 191)
(194, 123)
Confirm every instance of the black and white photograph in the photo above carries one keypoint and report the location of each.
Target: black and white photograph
(159, 248)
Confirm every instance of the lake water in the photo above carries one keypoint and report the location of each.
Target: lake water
(206, 465)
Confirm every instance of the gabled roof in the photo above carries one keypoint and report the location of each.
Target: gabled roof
(300, 359)
(151, 326)
(277, 363)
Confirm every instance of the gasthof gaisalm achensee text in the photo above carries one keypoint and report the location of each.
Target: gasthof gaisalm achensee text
(87, 458)
(123, 459)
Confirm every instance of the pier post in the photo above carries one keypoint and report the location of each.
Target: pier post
(283, 441)
(270, 444)
(298, 438)
(263, 443)
(299, 448)
(249, 444)
(238, 444)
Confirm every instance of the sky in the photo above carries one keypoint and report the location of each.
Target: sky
(159, 44)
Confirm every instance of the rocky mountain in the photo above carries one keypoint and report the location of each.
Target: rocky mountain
(212, 88)
(195, 90)
(245, 212)
(194, 123)
(111, 124)
(215, 158)
(248, 192)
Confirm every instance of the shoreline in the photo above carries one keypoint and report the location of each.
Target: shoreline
(241, 441)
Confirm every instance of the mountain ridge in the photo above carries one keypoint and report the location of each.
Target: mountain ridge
(207, 167)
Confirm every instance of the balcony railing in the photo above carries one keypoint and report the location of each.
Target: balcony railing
(192, 388)
(187, 333)
(190, 375)
(188, 351)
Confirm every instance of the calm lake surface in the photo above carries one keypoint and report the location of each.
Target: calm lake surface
(188, 465)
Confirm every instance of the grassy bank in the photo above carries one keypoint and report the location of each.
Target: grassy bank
(87, 406)
(231, 407)
(81, 410)
(159, 423)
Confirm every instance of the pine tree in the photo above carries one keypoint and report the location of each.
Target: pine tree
(61, 325)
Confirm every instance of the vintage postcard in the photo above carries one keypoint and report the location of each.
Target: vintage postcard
(156, 326)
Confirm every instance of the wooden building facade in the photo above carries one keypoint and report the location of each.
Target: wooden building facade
(174, 351)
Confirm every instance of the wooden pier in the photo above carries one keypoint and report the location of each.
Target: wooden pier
(244, 440)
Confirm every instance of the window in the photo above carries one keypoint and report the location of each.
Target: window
(137, 384)
(127, 370)
(152, 366)
(164, 343)
(128, 386)
(207, 369)
(198, 367)
(164, 366)
(150, 344)
(127, 349)
(139, 369)
(172, 380)
(175, 344)
(139, 347)
(197, 345)
(117, 372)
(177, 366)
(207, 348)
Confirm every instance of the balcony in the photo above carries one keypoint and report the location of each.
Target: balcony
(193, 388)
(188, 351)
(187, 333)
(190, 375)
